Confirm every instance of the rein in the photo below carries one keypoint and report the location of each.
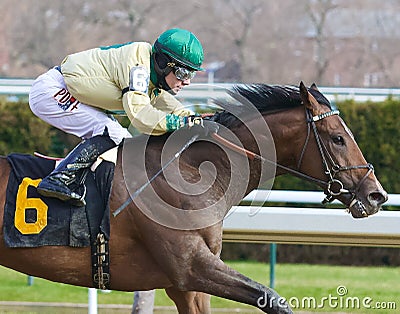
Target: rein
(333, 187)
(249, 154)
(253, 156)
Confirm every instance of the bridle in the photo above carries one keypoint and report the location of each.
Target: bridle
(333, 187)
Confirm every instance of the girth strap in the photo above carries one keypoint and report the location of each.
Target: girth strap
(101, 263)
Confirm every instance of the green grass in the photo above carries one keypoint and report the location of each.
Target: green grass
(293, 281)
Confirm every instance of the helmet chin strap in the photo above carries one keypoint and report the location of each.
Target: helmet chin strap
(162, 72)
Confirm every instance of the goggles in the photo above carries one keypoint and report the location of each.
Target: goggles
(183, 74)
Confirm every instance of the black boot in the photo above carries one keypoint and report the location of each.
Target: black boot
(66, 181)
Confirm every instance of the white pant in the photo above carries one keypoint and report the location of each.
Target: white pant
(50, 100)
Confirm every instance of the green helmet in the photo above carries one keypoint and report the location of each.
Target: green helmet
(182, 46)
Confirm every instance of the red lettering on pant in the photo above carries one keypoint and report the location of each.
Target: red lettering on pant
(65, 100)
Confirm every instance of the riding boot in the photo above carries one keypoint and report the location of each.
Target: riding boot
(66, 180)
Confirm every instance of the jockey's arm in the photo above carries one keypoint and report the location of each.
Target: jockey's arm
(147, 118)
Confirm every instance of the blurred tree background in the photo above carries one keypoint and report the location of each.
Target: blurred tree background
(330, 42)
(21, 131)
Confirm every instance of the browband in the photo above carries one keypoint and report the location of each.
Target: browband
(324, 115)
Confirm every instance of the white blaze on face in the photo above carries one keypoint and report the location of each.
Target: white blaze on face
(347, 129)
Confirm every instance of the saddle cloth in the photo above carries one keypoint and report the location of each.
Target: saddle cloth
(31, 220)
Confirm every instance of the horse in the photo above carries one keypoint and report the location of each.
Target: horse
(169, 236)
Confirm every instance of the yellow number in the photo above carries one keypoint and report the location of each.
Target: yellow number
(23, 203)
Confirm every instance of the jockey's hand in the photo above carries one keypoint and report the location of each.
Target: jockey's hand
(193, 120)
(200, 125)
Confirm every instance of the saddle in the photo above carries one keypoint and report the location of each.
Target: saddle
(32, 220)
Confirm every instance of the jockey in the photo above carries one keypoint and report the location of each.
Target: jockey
(138, 78)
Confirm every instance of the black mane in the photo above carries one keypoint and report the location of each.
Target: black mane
(265, 98)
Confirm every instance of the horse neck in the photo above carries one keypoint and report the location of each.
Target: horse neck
(282, 143)
(289, 132)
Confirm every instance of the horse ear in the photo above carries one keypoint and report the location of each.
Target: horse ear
(314, 87)
(309, 101)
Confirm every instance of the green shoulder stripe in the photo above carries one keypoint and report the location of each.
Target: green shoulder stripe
(115, 46)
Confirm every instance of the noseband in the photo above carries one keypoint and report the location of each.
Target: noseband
(333, 187)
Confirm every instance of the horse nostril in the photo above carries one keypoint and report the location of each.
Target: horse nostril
(378, 197)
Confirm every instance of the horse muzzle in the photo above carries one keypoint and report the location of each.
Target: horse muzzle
(371, 205)
(363, 200)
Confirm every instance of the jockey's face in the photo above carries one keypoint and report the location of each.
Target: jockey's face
(175, 84)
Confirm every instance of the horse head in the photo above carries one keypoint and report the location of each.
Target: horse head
(344, 174)
(311, 141)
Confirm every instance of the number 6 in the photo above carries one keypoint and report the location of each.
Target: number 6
(23, 203)
(139, 79)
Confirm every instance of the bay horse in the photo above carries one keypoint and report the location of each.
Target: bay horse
(169, 236)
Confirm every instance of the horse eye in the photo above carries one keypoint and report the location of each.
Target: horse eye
(339, 140)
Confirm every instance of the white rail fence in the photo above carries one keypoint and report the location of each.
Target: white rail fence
(318, 225)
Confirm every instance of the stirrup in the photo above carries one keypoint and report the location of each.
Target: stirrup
(47, 189)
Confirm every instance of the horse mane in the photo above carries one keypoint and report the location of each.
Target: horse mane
(266, 99)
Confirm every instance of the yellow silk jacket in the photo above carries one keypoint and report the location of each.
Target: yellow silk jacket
(96, 77)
